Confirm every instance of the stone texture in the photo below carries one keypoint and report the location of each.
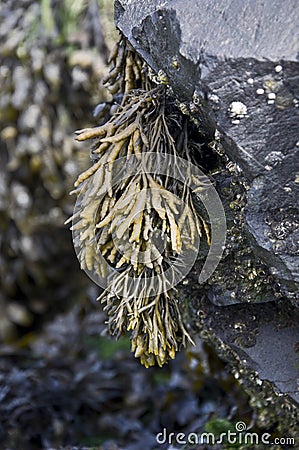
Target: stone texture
(241, 61)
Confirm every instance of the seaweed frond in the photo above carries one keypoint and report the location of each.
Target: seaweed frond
(141, 224)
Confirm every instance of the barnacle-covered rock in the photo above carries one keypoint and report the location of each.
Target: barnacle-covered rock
(241, 70)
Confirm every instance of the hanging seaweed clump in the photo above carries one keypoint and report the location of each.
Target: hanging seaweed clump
(143, 223)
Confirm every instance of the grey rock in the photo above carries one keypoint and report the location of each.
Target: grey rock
(240, 60)
(244, 68)
(231, 53)
(261, 342)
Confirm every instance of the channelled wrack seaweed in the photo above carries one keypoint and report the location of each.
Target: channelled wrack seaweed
(140, 225)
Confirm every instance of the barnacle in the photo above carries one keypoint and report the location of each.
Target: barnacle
(142, 223)
(175, 62)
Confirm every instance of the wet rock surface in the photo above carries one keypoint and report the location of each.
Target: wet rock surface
(240, 64)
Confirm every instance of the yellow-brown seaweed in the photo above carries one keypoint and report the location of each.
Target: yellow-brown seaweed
(119, 222)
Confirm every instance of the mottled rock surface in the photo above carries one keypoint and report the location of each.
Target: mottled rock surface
(241, 62)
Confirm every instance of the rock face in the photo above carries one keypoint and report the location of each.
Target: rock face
(240, 62)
